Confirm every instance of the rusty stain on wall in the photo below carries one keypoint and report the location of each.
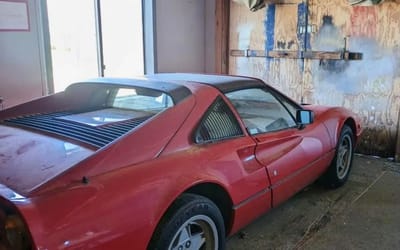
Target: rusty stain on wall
(370, 87)
(364, 86)
(364, 21)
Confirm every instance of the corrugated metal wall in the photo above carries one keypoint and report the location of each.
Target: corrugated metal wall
(369, 87)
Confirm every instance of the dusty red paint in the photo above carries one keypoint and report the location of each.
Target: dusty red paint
(24, 148)
(113, 198)
(364, 20)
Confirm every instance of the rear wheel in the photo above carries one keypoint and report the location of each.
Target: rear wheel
(192, 222)
(339, 170)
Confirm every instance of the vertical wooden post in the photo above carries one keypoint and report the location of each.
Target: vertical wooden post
(397, 152)
(222, 10)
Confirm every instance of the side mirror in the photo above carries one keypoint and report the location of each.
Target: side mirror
(304, 117)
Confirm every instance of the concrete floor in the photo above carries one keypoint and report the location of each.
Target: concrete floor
(363, 214)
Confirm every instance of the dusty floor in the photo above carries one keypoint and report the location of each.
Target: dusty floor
(363, 214)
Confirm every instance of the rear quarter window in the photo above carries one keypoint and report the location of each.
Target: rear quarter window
(219, 123)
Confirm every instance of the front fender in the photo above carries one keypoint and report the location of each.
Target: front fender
(334, 119)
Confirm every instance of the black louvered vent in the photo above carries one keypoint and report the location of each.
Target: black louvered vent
(95, 136)
(219, 123)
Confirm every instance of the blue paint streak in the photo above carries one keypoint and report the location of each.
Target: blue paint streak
(270, 28)
(269, 31)
(253, 53)
(302, 13)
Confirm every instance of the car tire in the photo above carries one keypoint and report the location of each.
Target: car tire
(192, 221)
(339, 170)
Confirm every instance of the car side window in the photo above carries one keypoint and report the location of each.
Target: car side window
(217, 124)
(260, 110)
(291, 107)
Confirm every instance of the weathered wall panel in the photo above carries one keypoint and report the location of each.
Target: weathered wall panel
(286, 27)
(257, 30)
(246, 30)
(370, 87)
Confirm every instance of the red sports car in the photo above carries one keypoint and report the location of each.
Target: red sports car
(167, 161)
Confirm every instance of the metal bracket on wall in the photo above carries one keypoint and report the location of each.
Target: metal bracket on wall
(317, 55)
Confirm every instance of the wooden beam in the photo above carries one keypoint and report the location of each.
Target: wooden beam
(285, 54)
(282, 1)
(222, 10)
(318, 55)
(248, 53)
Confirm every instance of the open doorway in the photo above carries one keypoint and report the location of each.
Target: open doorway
(95, 38)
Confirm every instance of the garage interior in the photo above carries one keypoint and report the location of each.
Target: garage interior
(333, 52)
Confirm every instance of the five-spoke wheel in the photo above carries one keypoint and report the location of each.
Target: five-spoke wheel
(193, 222)
(338, 172)
(199, 232)
(344, 156)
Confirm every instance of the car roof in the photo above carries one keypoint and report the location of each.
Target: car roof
(177, 91)
(224, 83)
(174, 83)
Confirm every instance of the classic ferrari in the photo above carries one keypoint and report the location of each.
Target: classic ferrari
(166, 161)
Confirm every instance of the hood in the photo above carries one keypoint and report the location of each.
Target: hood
(28, 160)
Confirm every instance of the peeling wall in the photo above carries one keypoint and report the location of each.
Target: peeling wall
(370, 87)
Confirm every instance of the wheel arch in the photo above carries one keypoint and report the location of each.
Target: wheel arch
(338, 127)
(214, 192)
(332, 178)
(352, 124)
(219, 196)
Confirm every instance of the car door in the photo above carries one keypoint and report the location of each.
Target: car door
(290, 154)
(227, 153)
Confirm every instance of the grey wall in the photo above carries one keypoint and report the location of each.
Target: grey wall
(185, 35)
(21, 72)
(209, 36)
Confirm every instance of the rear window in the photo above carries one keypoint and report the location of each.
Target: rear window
(140, 99)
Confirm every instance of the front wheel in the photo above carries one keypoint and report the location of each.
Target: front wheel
(339, 170)
(193, 222)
